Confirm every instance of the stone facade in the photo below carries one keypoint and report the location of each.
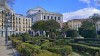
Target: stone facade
(75, 23)
(21, 24)
(39, 13)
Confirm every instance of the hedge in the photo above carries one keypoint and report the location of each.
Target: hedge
(26, 49)
(47, 53)
(86, 49)
(62, 41)
(15, 42)
(66, 50)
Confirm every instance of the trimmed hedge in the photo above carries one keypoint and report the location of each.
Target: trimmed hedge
(62, 41)
(63, 51)
(86, 49)
(26, 49)
(47, 53)
(15, 42)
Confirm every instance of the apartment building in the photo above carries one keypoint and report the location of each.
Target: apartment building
(3, 22)
(39, 13)
(75, 23)
(17, 24)
(21, 24)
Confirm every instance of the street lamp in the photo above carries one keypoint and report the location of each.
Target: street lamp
(7, 24)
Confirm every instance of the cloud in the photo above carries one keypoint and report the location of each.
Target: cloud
(80, 14)
(97, 2)
(86, 1)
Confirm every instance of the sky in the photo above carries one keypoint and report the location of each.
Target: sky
(71, 9)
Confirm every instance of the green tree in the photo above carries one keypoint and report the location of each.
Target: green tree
(52, 25)
(95, 17)
(88, 29)
(39, 25)
(88, 25)
(48, 26)
(72, 33)
(25, 37)
(64, 29)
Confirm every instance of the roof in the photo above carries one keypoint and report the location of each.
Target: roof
(42, 10)
(77, 20)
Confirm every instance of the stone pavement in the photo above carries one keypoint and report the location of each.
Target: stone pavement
(5, 50)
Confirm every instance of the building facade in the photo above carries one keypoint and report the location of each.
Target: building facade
(75, 23)
(39, 13)
(16, 24)
(21, 24)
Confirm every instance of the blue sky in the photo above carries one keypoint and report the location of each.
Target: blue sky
(21, 6)
(61, 6)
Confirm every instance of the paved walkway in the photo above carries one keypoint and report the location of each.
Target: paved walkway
(5, 50)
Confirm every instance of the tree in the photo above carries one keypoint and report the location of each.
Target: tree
(25, 37)
(9, 2)
(39, 25)
(72, 33)
(48, 26)
(95, 17)
(64, 29)
(88, 25)
(88, 29)
(52, 25)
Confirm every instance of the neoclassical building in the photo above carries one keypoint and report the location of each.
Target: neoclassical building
(39, 13)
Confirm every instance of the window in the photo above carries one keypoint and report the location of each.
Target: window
(48, 17)
(55, 18)
(32, 19)
(51, 17)
(39, 10)
(58, 18)
(16, 18)
(44, 17)
(19, 18)
(2, 24)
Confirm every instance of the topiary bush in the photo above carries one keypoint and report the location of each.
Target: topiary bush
(66, 50)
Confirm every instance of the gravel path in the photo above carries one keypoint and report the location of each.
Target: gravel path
(5, 50)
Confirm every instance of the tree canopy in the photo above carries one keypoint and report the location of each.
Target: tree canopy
(88, 29)
(95, 17)
(65, 27)
(48, 25)
(39, 25)
(88, 25)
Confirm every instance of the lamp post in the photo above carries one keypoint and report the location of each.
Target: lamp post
(6, 21)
